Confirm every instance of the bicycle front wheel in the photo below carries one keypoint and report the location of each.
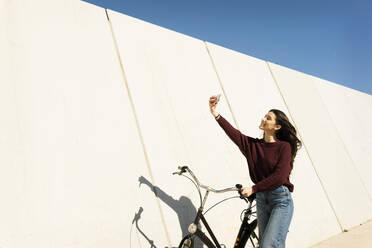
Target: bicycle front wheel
(196, 241)
(186, 242)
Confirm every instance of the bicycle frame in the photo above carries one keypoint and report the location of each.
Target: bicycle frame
(245, 231)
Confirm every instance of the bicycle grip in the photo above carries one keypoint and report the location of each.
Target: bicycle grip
(239, 187)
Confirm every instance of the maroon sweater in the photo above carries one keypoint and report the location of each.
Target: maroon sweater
(268, 163)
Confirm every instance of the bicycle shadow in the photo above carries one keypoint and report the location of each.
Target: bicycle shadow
(136, 218)
(185, 210)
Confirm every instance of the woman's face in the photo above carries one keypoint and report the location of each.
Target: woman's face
(268, 123)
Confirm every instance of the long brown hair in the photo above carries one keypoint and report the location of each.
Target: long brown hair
(287, 132)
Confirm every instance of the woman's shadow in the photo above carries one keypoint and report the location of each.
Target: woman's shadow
(183, 207)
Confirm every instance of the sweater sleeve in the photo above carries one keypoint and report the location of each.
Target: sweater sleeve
(280, 174)
(241, 140)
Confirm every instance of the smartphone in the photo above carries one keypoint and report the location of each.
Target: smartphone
(218, 97)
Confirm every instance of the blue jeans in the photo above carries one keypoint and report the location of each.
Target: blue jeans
(274, 215)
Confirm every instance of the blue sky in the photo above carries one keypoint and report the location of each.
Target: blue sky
(328, 39)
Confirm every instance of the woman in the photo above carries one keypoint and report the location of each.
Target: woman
(270, 162)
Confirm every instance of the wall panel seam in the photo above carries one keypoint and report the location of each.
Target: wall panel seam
(221, 85)
(138, 127)
(304, 145)
(343, 143)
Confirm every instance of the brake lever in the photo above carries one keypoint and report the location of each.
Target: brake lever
(239, 187)
(182, 170)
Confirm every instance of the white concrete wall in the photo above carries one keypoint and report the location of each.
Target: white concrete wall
(351, 115)
(96, 113)
(171, 78)
(10, 174)
(252, 92)
(71, 156)
(331, 160)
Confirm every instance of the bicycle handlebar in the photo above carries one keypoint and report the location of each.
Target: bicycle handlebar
(238, 187)
(184, 169)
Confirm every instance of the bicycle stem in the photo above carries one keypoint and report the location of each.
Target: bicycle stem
(205, 199)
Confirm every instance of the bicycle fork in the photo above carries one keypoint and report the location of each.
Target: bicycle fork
(245, 231)
(194, 230)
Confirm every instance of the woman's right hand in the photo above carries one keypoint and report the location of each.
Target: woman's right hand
(212, 105)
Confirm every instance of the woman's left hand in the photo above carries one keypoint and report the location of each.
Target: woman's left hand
(247, 191)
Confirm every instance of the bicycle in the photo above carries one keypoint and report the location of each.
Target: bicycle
(246, 231)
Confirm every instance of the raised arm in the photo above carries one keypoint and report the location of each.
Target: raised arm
(241, 140)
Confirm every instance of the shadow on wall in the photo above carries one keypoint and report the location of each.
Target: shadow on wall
(183, 207)
(137, 216)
